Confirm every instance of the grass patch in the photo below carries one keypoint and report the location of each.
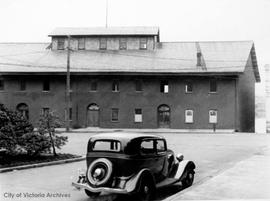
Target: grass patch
(12, 161)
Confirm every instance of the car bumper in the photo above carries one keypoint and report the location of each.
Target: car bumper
(99, 189)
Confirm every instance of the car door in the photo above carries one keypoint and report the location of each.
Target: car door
(151, 158)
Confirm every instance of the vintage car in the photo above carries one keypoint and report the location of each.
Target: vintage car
(132, 163)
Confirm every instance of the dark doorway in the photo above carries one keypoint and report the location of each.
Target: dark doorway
(92, 115)
(22, 108)
(163, 116)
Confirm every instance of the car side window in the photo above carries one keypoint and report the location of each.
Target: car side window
(160, 146)
(147, 147)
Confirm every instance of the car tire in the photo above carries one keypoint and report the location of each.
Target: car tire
(91, 194)
(103, 163)
(187, 181)
(146, 191)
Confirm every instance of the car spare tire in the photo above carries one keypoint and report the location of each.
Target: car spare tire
(99, 172)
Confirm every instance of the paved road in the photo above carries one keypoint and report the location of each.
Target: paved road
(212, 153)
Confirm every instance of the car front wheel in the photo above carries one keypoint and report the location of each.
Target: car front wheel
(188, 179)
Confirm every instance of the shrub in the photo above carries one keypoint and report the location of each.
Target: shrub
(13, 126)
(47, 125)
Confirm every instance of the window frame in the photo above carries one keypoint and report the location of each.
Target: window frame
(186, 119)
(109, 141)
(209, 116)
(44, 85)
(81, 43)
(112, 114)
(210, 86)
(115, 86)
(60, 43)
(143, 43)
(164, 83)
(140, 84)
(92, 82)
(154, 152)
(165, 146)
(122, 43)
(103, 43)
(137, 114)
(187, 85)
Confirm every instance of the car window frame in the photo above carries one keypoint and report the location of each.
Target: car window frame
(155, 152)
(106, 140)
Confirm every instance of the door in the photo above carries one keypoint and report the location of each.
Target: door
(164, 116)
(92, 115)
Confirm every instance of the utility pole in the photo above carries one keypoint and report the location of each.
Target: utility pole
(68, 86)
(106, 13)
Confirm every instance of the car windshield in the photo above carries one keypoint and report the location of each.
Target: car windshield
(107, 145)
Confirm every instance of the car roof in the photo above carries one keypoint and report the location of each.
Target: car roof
(124, 136)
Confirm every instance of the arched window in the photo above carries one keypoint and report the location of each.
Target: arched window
(22, 108)
(93, 106)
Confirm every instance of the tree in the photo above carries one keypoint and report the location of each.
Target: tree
(47, 125)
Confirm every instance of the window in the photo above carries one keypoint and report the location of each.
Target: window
(143, 43)
(160, 146)
(108, 145)
(81, 43)
(213, 86)
(23, 109)
(46, 85)
(189, 87)
(164, 86)
(93, 86)
(138, 115)
(2, 85)
(122, 43)
(189, 116)
(103, 44)
(138, 85)
(22, 85)
(115, 112)
(70, 114)
(61, 44)
(45, 111)
(147, 147)
(115, 86)
(212, 116)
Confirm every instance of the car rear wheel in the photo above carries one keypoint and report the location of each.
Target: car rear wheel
(146, 191)
(91, 194)
(187, 181)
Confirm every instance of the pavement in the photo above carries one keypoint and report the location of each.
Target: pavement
(248, 179)
(229, 166)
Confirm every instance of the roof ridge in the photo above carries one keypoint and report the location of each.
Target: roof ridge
(213, 41)
(21, 43)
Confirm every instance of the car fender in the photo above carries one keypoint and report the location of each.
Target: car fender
(134, 182)
(182, 166)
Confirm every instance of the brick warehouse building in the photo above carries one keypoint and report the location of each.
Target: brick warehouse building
(124, 77)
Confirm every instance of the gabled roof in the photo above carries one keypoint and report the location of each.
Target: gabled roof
(97, 31)
(167, 58)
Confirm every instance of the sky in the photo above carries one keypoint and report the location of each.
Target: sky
(179, 20)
